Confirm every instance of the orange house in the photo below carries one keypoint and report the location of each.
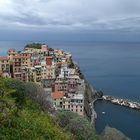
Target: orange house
(58, 99)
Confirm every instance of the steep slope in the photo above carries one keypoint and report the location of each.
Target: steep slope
(21, 118)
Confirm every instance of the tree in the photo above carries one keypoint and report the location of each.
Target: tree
(19, 91)
(33, 45)
(37, 93)
(77, 125)
(31, 122)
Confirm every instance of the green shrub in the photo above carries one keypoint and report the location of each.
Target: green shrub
(77, 125)
(22, 119)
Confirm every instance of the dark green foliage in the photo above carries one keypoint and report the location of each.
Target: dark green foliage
(64, 117)
(71, 64)
(34, 45)
(79, 126)
(28, 122)
(31, 124)
(19, 88)
(51, 49)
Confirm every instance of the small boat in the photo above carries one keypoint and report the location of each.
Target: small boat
(103, 112)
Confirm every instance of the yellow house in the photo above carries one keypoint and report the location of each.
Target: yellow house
(26, 61)
(26, 58)
(51, 72)
(31, 74)
(43, 70)
(30, 49)
(4, 66)
(19, 67)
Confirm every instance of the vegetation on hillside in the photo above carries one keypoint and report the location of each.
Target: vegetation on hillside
(37, 94)
(21, 118)
(33, 45)
(36, 46)
(79, 126)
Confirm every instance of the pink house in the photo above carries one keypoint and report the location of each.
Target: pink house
(77, 104)
(72, 85)
(44, 48)
(61, 86)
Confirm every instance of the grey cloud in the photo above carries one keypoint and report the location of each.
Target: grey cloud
(71, 15)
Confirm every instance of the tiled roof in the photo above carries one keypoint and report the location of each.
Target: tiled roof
(19, 56)
(11, 50)
(3, 58)
(57, 95)
(49, 57)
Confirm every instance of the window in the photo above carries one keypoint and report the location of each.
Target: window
(72, 100)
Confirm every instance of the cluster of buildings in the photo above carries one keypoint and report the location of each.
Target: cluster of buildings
(50, 68)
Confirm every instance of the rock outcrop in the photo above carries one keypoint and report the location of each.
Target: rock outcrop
(113, 134)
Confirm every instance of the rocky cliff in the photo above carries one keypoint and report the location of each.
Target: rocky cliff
(91, 95)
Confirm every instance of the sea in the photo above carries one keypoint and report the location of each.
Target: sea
(114, 68)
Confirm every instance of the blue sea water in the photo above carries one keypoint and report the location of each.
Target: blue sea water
(114, 68)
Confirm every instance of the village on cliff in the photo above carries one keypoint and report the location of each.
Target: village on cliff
(53, 69)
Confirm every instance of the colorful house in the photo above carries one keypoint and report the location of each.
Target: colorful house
(58, 99)
(11, 53)
(77, 104)
(5, 66)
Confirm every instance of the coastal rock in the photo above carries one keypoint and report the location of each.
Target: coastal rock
(113, 134)
(91, 95)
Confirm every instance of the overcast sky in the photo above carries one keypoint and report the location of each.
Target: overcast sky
(70, 16)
